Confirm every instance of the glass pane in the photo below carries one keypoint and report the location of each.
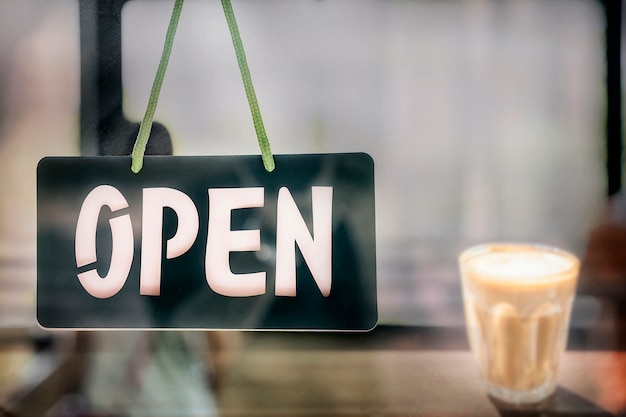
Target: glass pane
(39, 99)
(484, 118)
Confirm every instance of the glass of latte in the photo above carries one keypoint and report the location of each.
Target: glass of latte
(517, 300)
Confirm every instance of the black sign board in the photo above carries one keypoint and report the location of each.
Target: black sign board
(207, 243)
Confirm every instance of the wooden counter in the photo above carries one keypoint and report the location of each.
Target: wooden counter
(398, 383)
(273, 374)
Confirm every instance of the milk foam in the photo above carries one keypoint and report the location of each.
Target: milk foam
(526, 265)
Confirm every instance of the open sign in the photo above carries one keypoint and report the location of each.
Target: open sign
(221, 240)
(207, 243)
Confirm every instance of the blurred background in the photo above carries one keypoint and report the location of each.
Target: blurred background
(485, 119)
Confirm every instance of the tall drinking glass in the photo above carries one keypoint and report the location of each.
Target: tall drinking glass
(517, 300)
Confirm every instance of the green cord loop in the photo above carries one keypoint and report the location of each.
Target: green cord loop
(146, 125)
(264, 144)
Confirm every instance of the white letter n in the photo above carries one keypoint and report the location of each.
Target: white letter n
(317, 251)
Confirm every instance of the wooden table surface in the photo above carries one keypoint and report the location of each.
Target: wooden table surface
(347, 379)
(399, 383)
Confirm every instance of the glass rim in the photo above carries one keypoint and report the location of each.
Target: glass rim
(513, 246)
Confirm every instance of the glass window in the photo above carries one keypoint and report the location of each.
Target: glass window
(484, 118)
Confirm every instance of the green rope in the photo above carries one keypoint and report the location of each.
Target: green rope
(146, 125)
(264, 144)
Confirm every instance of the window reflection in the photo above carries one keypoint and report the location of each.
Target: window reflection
(484, 118)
